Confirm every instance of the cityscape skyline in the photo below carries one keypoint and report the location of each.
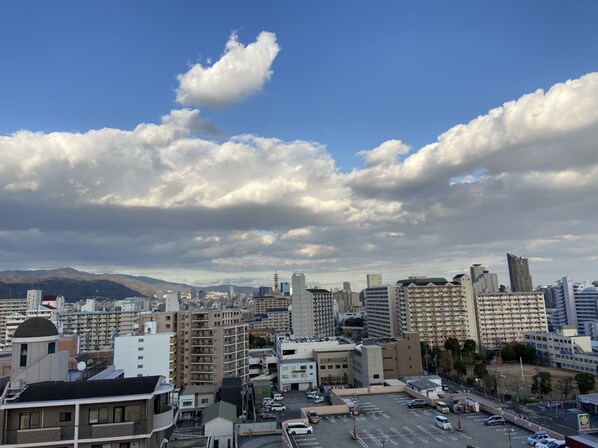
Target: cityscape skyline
(206, 144)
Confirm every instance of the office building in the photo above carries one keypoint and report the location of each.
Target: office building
(437, 309)
(576, 304)
(564, 349)
(506, 317)
(521, 280)
(211, 344)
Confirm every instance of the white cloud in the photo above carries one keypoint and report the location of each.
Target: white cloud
(521, 178)
(240, 72)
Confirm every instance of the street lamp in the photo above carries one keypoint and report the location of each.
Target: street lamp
(354, 416)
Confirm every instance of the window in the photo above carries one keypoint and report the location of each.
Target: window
(65, 416)
(187, 402)
(376, 376)
(204, 400)
(139, 349)
(140, 357)
(23, 359)
(98, 415)
(51, 348)
(140, 366)
(119, 414)
(133, 413)
(102, 445)
(29, 420)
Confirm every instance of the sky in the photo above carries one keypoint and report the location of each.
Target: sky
(219, 141)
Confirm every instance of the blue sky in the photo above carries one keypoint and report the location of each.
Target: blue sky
(349, 76)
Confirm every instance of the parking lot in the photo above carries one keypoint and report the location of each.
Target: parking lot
(386, 421)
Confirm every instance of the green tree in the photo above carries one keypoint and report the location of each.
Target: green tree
(469, 346)
(452, 344)
(541, 383)
(480, 370)
(585, 382)
(460, 369)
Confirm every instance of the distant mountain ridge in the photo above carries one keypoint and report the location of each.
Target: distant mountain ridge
(76, 285)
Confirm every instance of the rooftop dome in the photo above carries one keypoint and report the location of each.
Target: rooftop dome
(36, 327)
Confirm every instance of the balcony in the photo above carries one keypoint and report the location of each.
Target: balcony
(113, 430)
(165, 419)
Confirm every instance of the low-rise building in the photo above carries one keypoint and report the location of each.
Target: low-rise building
(564, 349)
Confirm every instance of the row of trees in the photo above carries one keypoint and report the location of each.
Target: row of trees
(458, 360)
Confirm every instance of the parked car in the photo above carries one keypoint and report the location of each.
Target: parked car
(441, 406)
(312, 394)
(495, 420)
(278, 397)
(538, 436)
(299, 428)
(268, 416)
(417, 403)
(319, 399)
(442, 422)
(313, 417)
(267, 401)
(278, 407)
(550, 443)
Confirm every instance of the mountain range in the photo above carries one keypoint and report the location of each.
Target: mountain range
(75, 285)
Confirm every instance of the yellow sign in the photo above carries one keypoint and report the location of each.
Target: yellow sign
(583, 421)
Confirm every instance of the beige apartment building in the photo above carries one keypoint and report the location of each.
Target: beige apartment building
(506, 317)
(400, 356)
(97, 329)
(437, 309)
(8, 307)
(271, 312)
(211, 344)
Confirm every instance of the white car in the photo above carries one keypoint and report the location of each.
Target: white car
(544, 443)
(536, 437)
(278, 397)
(311, 394)
(278, 407)
(267, 401)
(553, 444)
(319, 399)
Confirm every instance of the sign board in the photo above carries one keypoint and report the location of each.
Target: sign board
(583, 420)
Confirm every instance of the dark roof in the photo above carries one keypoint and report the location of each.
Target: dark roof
(318, 290)
(73, 390)
(422, 281)
(36, 327)
(231, 382)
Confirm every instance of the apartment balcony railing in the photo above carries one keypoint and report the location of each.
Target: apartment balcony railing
(165, 419)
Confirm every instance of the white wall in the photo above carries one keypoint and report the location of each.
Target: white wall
(143, 354)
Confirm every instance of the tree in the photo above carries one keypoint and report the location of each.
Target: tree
(542, 383)
(514, 351)
(585, 382)
(469, 346)
(452, 344)
(565, 386)
(445, 362)
(460, 369)
(480, 370)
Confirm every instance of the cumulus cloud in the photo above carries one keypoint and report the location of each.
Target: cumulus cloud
(521, 178)
(240, 72)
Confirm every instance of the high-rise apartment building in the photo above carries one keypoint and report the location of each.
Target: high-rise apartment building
(521, 280)
(96, 330)
(381, 307)
(313, 310)
(483, 281)
(211, 344)
(437, 309)
(575, 305)
(506, 317)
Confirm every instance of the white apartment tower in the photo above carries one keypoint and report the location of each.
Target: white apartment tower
(437, 309)
(381, 307)
(313, 310)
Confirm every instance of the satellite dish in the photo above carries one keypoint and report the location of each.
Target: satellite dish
(81, 366)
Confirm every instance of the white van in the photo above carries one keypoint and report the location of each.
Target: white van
(441, 406)
(299, 428)
(443, 423)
